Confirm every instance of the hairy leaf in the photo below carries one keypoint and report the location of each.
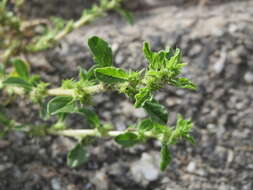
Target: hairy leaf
(111, 75)
(127, 139)
(165, 157)
(60, 104)
(101, 51)
(147, 52)
(142, 97)
(77, 156)
(21, 69)
(146, 125)
(19, 82)
(91, 116)
(156, 111)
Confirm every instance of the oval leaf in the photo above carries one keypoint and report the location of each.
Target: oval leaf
(146, 125)
(101, 51)
(77, 156)
(127, 139)
(91, 117)
(60, 104)
(156, 111)
(165, 157)
(19, 82)
(111, 75)
(142, 97)
(21, 69)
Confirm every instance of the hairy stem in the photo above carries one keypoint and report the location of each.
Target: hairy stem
(82, 133)
(70, 92)
(89, 18)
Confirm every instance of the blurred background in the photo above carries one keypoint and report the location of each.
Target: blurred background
(216, 37)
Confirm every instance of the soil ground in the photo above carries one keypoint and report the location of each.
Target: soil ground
(217, 42)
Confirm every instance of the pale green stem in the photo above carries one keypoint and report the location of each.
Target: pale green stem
(82, 133)
(70, 92)
(86, 19)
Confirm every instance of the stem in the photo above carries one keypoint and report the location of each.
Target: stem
(82, 133)
(88, 18)
(70, 92)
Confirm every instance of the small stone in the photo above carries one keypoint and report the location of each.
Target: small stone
(191, 167)
(5, 166)
(248, 77)
(218, 67)
(56, 184)
(146, 169)
(100, 180)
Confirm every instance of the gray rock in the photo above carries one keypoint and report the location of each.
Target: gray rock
(146, 169)
(248, 77)
(56, 184)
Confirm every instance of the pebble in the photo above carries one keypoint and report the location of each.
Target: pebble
(248, 77)
(5, 166)
(146, 169)
(56, 184)
(191, 167)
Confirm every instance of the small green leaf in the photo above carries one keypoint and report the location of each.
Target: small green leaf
(19, 82)
(165, 157)
(183, 83)
(147, 52)
(146, 125)
(101, 51)
(142, 97)
(21, 69)
(156, 111)
(111, 75)
(174, 60)
(127, 139)
(83, 74)
(60, 104)
(126, 15)
(77, 156)
(91, 117)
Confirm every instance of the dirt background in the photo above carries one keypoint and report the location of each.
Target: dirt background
(217, 41)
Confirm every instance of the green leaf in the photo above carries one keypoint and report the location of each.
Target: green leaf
(142, 97)
(156, 111)
(77, 156)
(127, 139)
(165, 157)
(157, 60)
(147, 52)
(19, 82)
(146, 125)
(60, 104)
(111, 75)
(101, 51)
(91, 117)
(175, 60)
(83, 74)
(21, 69)
(126, 14)
(183, 83)
(183, 129)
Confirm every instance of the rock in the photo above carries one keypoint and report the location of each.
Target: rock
(191, 167)
(100, 180)
(4, 144)
(130, 111)
(146, 169)
(62, 145)
(5, 166)
(248, 77)
(220, 63)
(56, 184)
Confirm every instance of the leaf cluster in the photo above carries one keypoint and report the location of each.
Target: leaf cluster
(75, 97)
